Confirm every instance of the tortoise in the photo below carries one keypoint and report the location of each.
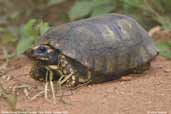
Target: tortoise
(92, 50)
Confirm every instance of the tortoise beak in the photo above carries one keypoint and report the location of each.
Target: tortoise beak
(35, 55)
(29, 53)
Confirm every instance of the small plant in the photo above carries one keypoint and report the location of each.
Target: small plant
(164, 48)
(29, 34)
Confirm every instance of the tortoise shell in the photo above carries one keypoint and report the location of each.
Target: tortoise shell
(107, 44)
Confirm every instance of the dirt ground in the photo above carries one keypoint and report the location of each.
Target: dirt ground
(147, 93)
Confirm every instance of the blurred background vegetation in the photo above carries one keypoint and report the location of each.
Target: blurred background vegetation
(22, 22)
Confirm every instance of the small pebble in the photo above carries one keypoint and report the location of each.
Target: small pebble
(167, 70)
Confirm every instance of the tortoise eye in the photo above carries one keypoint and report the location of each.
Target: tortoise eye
(42, 49)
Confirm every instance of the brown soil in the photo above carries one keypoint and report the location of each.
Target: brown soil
(147, 93)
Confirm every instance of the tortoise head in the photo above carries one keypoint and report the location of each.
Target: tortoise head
(44, 53)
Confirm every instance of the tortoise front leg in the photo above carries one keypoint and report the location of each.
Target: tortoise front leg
(49, 74)
(67, 78)
(68, 74)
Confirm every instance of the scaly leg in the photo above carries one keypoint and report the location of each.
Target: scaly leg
(66, 71)
(65, 79)
(51, 85)
(46, 87)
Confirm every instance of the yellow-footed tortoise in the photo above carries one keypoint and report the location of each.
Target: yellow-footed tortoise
(92, 50)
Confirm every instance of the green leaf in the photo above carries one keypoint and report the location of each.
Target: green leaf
(53, 2)
(64, 17)
(80, 9)
(23, 45)
(134, 6)
(166, 26)
(164, 48)
(28, 28)
(42, 27)
(102, 9)
(2, 29)
(102, 2)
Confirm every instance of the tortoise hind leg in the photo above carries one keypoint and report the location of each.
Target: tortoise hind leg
(141, 68)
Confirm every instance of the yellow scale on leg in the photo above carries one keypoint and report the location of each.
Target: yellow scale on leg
(64, 75)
